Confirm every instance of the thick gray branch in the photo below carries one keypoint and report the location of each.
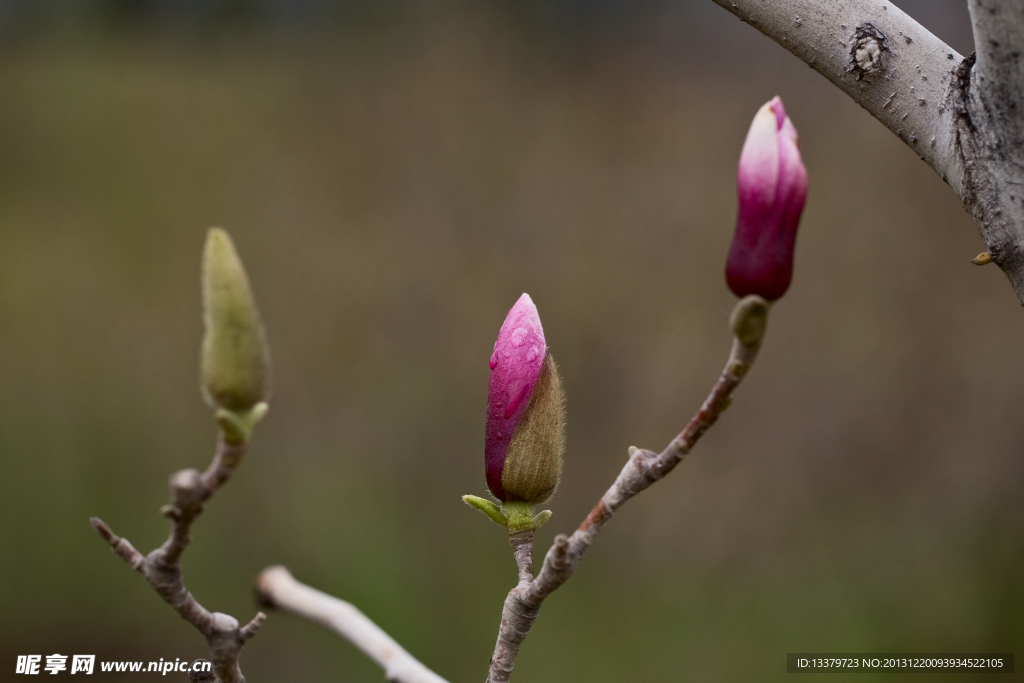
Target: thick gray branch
(960, 116)
(276, 587)
(189, 490)
(643, 469)
(878, 55)
(990, 132)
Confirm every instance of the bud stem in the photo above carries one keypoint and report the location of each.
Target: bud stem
(521, 517)
(237, 426)
(749, 320)
(518, 514)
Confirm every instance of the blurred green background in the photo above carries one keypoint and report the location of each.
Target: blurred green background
(394, 175)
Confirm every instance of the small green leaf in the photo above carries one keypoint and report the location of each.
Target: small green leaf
(487, 507)
(541, 519)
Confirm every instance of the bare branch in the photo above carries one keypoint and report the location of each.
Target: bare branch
(998, 26)
(276, 587)
(643, 469)
(189, 491)
(509, 637)
(878, 55)
(990, 132)
(522, 551)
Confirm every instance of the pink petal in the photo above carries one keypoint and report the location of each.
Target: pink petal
(515, 366)
(772, 188)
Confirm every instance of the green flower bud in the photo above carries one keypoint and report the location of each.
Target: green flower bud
(235, 363)
(749, 319)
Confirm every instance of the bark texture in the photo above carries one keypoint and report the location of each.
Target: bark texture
(189, 491)
(990, 132)
(515, 612)
(961, 116)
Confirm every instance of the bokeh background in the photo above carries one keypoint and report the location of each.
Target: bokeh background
(395, 174)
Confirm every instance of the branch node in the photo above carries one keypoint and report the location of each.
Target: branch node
(188, 492)
(867, 52)
(198, 675)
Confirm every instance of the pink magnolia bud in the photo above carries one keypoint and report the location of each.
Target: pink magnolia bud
(525, 417)
(772, 185)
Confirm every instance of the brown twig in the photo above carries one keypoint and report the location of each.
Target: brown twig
(515, 610)
(189, 491)
(643, 469)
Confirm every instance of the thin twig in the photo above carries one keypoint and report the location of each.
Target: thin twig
(276, 587)
(522, 551)
(189, 491)
(643, 469)
(509, 637)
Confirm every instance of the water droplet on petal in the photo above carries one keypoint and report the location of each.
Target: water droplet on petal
(532, 354)
(516, 392)
(494, 359)
(518, 337)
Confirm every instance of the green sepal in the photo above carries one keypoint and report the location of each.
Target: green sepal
(487, 507)
(540, 519)
(515, 515)
(237, 427)
(521, 517)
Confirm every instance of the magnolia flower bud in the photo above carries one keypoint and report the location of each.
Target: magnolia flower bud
(772, 185)
(525, 433)
(235, 364)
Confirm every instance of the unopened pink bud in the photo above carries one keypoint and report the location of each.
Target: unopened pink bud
(525, 419)
(772, 187)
